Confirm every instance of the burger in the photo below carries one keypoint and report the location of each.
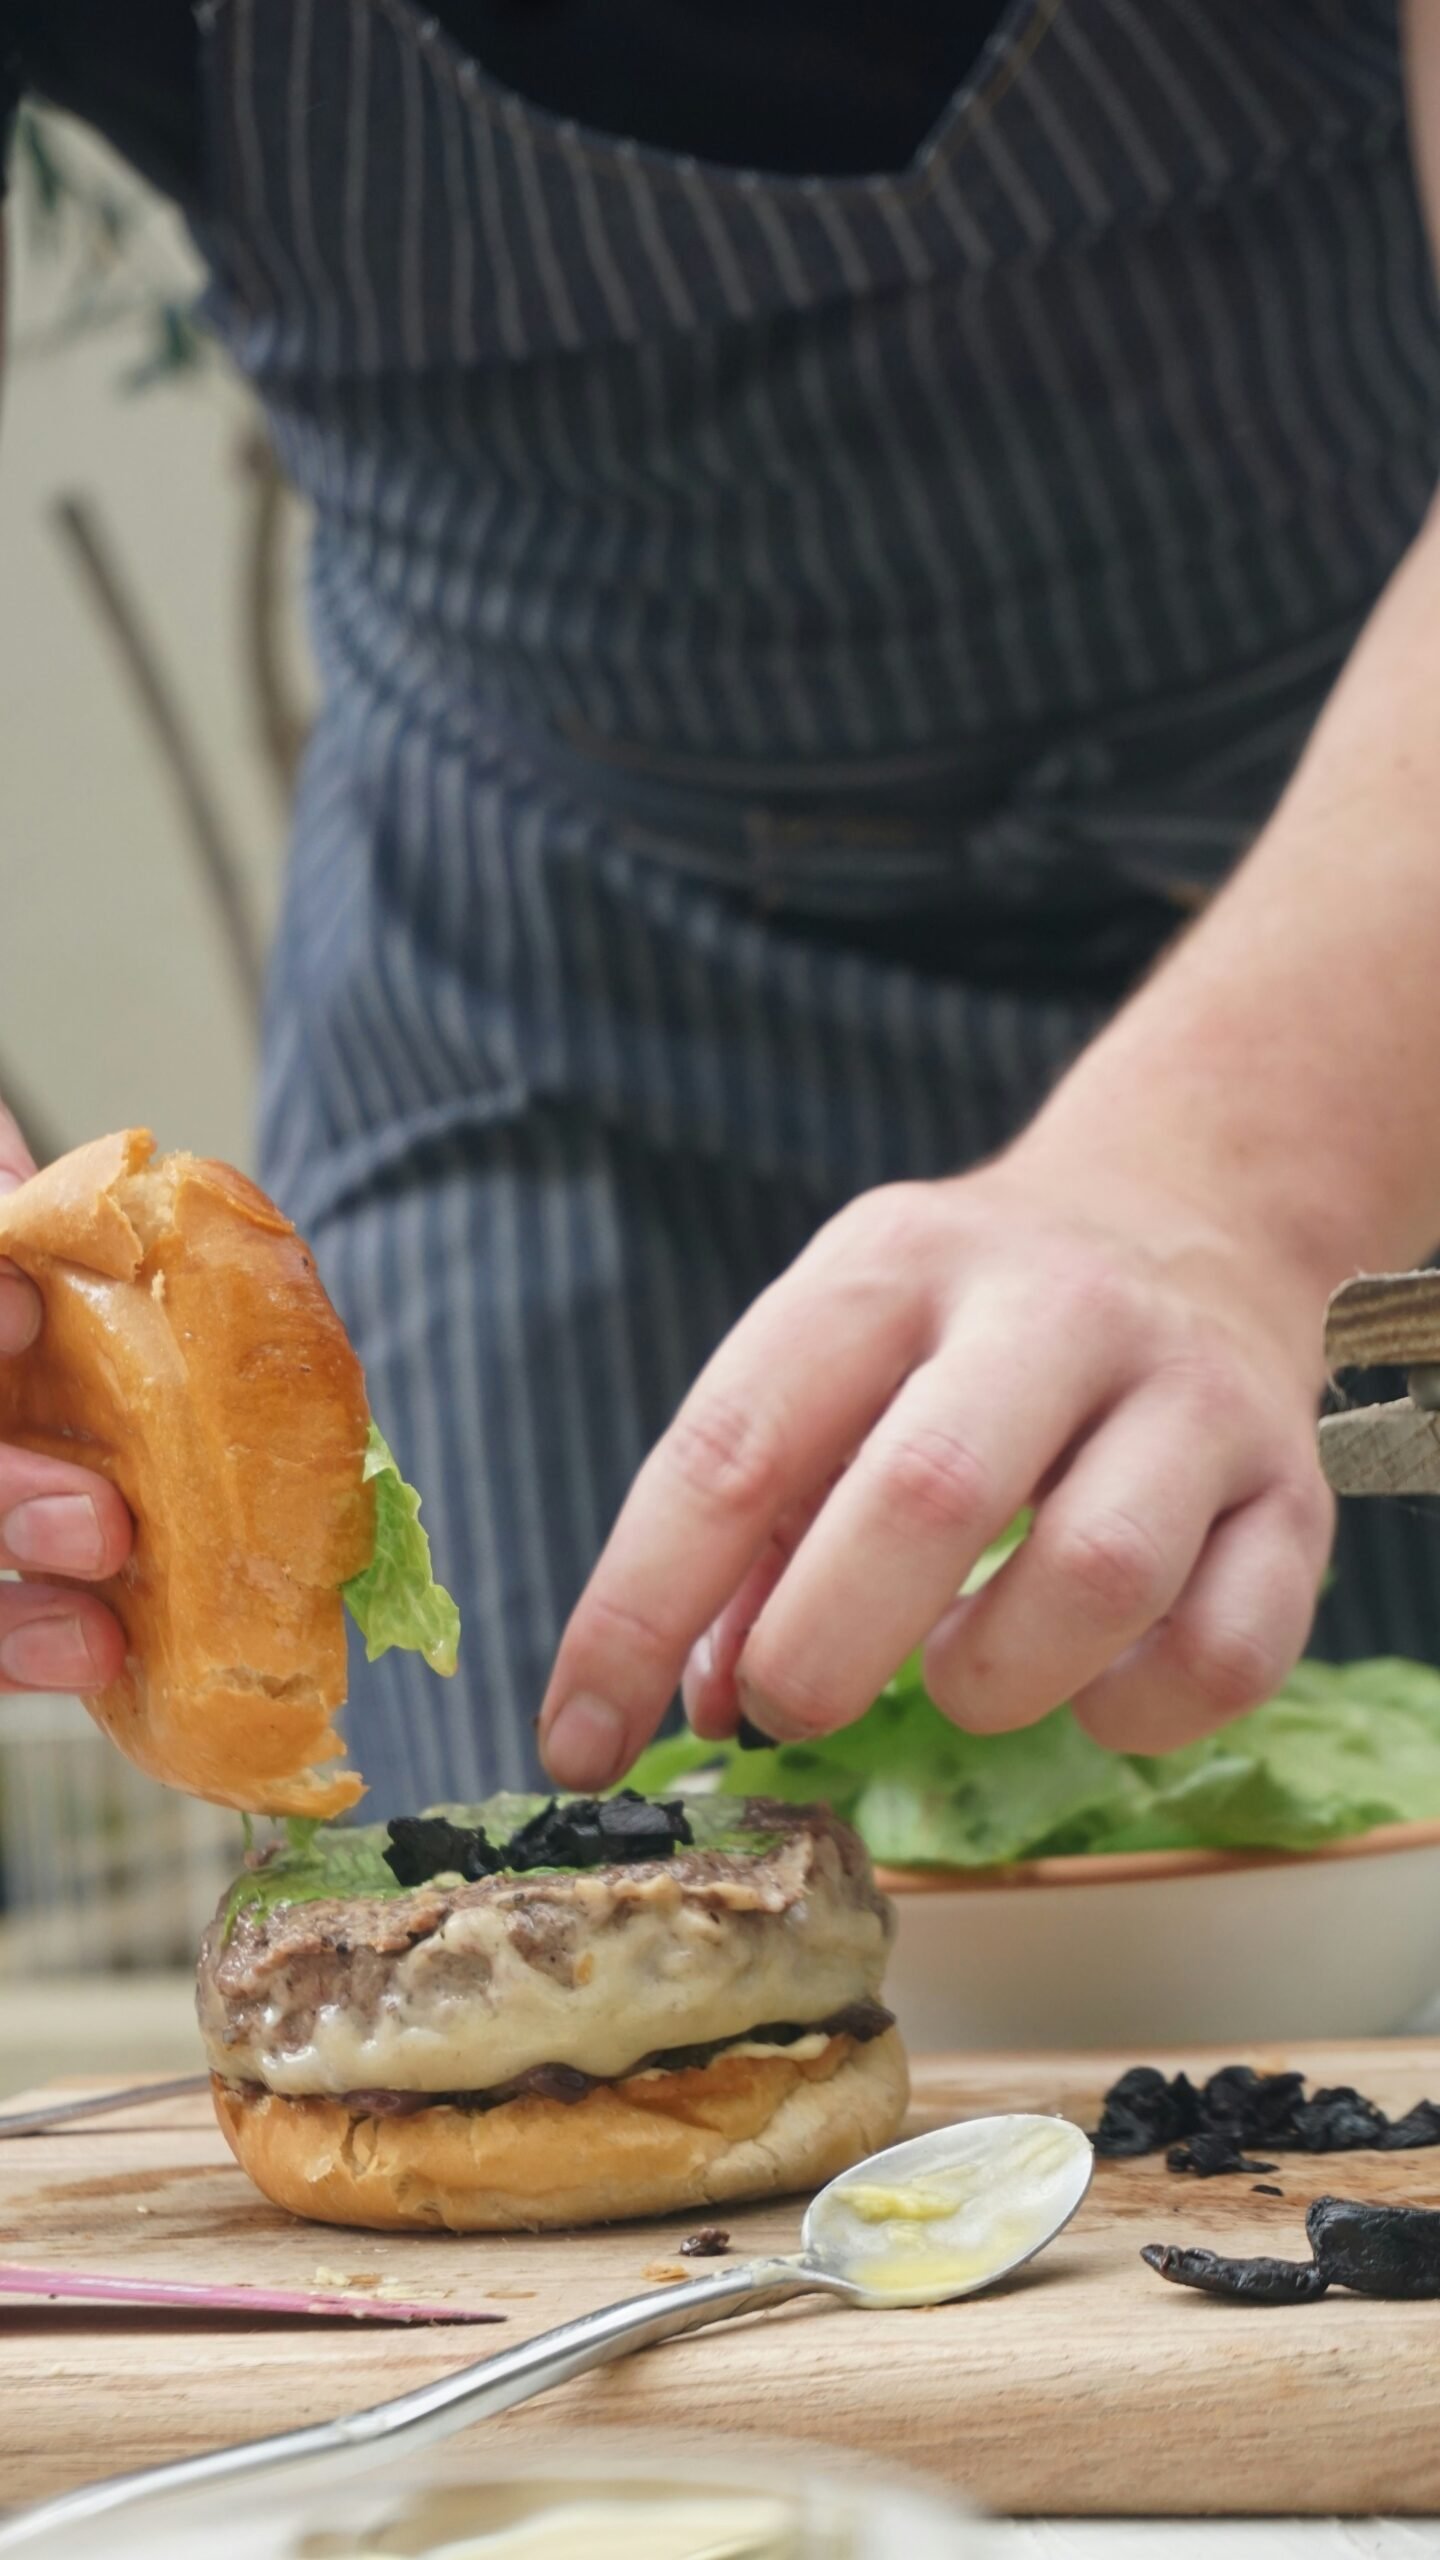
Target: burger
(545, 2012)
(533, 2011)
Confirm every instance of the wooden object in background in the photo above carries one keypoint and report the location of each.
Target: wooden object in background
(1386, 1321)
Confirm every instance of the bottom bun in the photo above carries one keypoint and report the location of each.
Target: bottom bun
(745, 2125)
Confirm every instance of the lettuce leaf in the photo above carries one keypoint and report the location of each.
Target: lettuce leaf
(1341, 1749)
(397, 1600)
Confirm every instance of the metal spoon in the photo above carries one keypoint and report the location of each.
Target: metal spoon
(982, 2198)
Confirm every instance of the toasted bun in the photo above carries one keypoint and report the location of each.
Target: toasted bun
(747, 2125)
(190, 1354)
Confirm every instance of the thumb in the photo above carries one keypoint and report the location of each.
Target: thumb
(16, 1162)
(19, 1302)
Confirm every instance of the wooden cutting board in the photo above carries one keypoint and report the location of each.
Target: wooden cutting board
(1085, 2386)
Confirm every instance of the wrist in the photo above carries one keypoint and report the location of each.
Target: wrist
(1244, 1100)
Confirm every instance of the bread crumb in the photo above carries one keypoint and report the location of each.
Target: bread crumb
(667, 2271)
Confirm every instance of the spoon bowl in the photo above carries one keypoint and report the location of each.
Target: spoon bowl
(949, 2213)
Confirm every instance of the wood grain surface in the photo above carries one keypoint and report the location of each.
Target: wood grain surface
(1084, 2387)
(1384, 1320)
(1381, 1448)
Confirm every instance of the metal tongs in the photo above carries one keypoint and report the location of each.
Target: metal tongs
(1391, 1321)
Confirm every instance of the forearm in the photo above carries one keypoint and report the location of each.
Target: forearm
(1284, 1063)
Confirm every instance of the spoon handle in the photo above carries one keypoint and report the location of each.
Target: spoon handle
(455, 2400)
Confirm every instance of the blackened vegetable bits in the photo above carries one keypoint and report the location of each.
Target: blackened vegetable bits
(578, 1831)
(1213, 2155)
(1212, 2131)
(423, 1845)
(604, 1831)
(1144, 2111)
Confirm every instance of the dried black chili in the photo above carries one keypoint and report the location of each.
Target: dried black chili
(1391, 2251)
(1257, 2280)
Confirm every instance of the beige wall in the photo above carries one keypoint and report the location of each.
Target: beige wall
(116, 1004)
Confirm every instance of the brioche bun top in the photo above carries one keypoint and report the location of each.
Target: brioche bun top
(190, 1354)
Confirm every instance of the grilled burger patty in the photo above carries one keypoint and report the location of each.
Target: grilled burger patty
(321, 1978)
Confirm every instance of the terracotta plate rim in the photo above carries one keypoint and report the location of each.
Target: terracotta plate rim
(1152, 1866)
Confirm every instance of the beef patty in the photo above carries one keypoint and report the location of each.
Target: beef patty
(320, 1978)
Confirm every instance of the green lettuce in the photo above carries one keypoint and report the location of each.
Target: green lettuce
(397, 1600)
(309, 1861)
(1339, 1750)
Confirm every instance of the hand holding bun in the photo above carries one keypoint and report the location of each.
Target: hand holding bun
(189, 1357)
(56, 1519)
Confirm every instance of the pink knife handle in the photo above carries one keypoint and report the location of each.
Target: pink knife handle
(66, 2285)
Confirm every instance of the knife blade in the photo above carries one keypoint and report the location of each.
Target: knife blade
(67, 2284)
(67, 2110)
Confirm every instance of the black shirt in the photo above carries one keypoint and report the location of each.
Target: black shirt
(833, 87)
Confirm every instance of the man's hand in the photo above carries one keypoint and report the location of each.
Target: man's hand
(1039, 1331)
(54, 1520)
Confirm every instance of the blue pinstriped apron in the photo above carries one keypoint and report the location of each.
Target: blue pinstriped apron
(792, 648)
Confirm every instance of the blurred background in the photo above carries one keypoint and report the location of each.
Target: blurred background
(153, 698)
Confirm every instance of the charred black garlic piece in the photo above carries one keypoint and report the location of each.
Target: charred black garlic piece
(1258, 2280)
(1254, 2106)
(598, 1831)
(1145, 2111)
(578, 1831)
(1390, 2251)
(1415, 2131)
(1339, 2120)
(1213, 2155)
(425, 1845)
(1253, 2111)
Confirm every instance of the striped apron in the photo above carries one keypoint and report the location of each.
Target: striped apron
(792, 650)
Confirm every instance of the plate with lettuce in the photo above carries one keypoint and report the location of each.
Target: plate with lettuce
(1274, 1903)
(1340, 1750)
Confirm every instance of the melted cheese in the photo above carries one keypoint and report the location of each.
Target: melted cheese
(470, 2007)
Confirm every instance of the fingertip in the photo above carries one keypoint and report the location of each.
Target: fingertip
(586, 1744)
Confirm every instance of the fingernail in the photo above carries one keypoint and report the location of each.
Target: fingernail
(585, 1746)
(769, 1720)
(48, 1653)
(9, 1181)
(58, 1530)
